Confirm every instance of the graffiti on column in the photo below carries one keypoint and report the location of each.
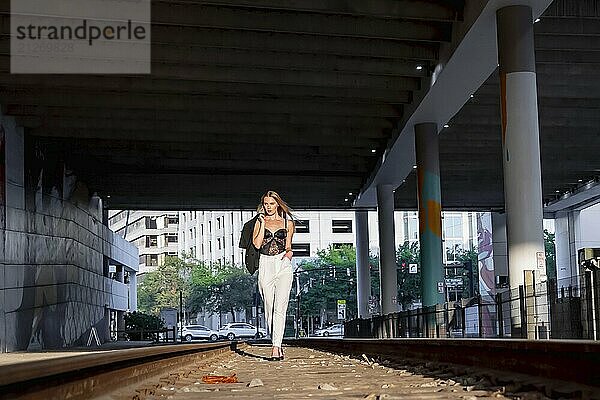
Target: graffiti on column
(485, 266)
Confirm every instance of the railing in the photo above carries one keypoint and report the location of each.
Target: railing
(564, 309)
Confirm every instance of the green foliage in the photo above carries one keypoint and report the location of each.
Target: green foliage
(549, 240)
(329, 278)
(138, 321)
(220, 288)
(409, 285)
(160, 288)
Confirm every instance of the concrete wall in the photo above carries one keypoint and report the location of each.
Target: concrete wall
(55, 252)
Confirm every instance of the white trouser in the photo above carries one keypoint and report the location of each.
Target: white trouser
(275, 282)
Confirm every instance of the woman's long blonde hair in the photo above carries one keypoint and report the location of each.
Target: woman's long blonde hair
(282, 207)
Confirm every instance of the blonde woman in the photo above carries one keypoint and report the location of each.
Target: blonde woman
(273, 232)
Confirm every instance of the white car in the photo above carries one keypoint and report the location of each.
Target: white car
(198, 332)
(239, 330)
(333, 330)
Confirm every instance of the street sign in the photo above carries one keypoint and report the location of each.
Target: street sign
(541, 260)
(412, 269)
(341, 309)
(454, 282)
(440, 286)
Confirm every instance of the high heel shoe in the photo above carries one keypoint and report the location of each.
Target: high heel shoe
(277, 358)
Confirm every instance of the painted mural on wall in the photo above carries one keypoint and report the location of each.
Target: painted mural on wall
(487, 280)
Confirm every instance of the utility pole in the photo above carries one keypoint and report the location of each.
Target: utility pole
(180, 314)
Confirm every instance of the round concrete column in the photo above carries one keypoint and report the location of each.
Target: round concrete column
(430, 213)
(387, 249)
(363, 275)
(520, 144)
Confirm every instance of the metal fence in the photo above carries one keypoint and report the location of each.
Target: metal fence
(563, 309)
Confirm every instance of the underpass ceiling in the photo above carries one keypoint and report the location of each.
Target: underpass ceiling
(244, 96)
(301, 97)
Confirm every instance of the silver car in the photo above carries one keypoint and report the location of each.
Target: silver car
(334, 330)
(240, 329)
(199, 332)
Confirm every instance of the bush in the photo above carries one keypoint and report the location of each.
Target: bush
(137, 321)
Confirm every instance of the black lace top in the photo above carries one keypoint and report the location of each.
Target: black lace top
(273, 242)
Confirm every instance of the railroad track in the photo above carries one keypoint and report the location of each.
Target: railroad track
(99, 373)
(330, 368)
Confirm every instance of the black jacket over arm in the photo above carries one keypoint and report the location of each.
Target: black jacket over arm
(252, 254)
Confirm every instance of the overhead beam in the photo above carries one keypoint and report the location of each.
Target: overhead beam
(143, 85)
(165, 55)
(76, 99)
(294, 121)
(426, 10)
(205, 16)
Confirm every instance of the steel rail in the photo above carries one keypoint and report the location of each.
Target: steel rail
(565, 360)
(91, 375)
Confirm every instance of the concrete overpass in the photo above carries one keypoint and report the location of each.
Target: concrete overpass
(315, 99)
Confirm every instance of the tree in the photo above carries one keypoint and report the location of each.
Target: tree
(203, 279)
(160, 288)
(327, 279)
(220, 288)
(409, 285)
(549, 245)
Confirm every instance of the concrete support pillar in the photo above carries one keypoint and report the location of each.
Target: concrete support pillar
(567, 240)
(521, 161)
(430, 213)
(387, 249)
(363, 274)
(132, 291)
(520, 144)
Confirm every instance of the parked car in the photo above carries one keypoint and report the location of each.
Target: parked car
(333, 330)
(198, 332)
(239, 330)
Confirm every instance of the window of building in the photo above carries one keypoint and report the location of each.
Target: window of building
(302, 226)
(411, 231)
(341, 226)
(301, 249)
(452, 248)
(172, 238)
(152, 241)
(219, 223)
(151, 260)
(150, 223)
(218, 243)
(172, 220)
(453, 226)
(209, 246)
(209, 226)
